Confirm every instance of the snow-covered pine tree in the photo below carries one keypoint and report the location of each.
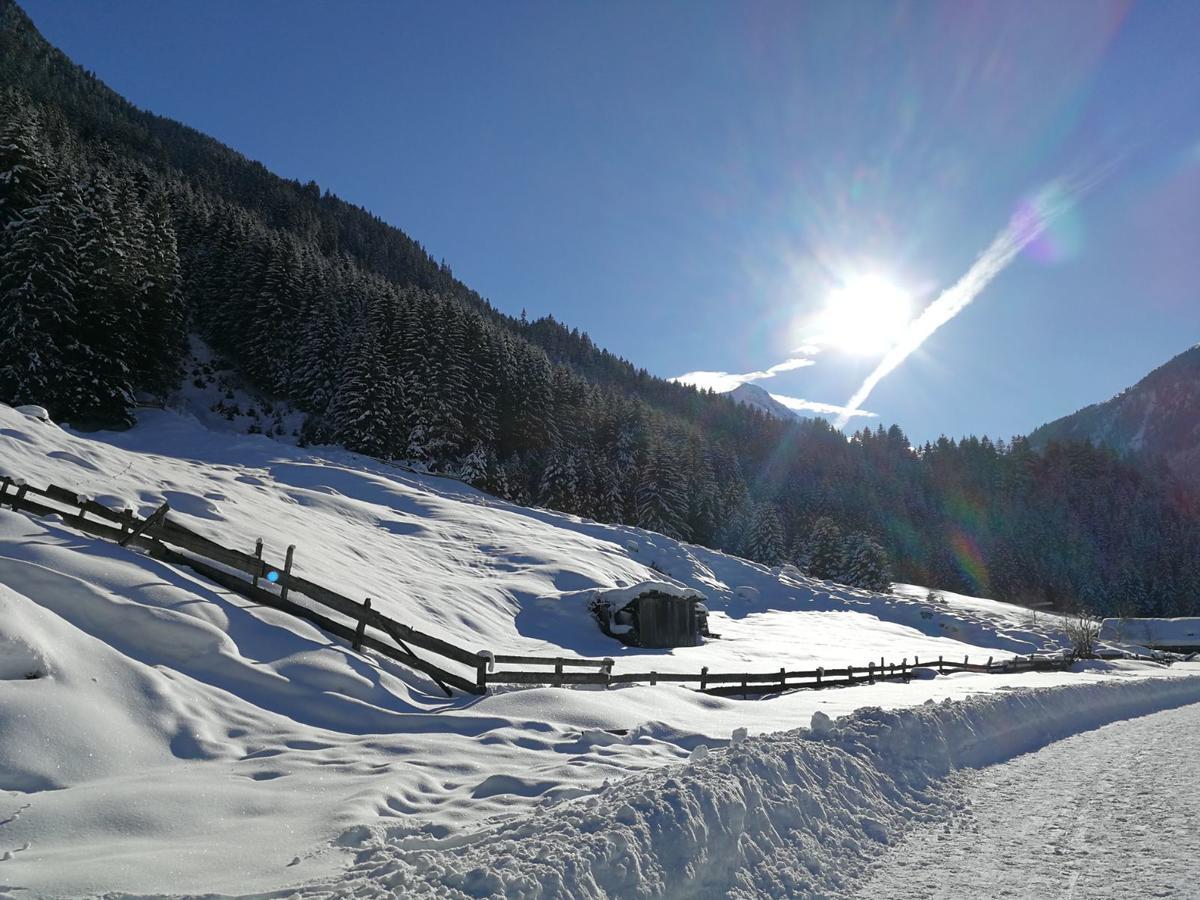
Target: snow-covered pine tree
(362, 414)
(701, 496)
(37, 307)
(474, 467)
(109, 277)
(320, 336)
(159, 351)
(558, 487)
(479, 395)
(25, 168)
(269, 342)
(826, 549)
(660, 498)
(865, 564)
(765, 541)
(610, 499)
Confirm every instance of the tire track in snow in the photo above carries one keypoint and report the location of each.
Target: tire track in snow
(1106, 813)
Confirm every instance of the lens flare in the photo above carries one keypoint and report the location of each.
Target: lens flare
(865, 315)
(1056, 224)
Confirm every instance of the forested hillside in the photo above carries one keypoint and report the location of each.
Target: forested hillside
(1157, 418)
(123, 232)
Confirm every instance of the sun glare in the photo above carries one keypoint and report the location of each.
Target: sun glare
(865, 315)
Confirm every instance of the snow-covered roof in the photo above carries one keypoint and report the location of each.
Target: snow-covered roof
(618, 598)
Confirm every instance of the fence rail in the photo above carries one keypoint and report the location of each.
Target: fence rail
(227, 567)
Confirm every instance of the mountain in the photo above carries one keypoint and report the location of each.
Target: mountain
(752, 395)
(1159, 417)
(128, 240)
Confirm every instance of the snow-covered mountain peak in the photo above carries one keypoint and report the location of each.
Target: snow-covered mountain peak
(752, 395)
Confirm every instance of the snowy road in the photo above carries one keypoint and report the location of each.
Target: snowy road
(1106, 813)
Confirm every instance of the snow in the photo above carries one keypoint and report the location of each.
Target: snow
(618, 598)
(1183, 632)
(173, 724)
(1109, 813)
(34, 412)
(801, 813)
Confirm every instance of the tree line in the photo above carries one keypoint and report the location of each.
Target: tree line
(109, 260)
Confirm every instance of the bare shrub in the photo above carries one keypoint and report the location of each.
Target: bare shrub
(1083, 633)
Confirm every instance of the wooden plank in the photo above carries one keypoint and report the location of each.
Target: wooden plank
(509, 659)
(548, 678)
(393, 632)
(98, 509)
(174, 533)
(155, 519)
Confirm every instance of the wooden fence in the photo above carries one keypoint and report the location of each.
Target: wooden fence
(248, 575)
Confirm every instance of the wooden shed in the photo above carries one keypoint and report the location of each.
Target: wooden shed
(654, 618)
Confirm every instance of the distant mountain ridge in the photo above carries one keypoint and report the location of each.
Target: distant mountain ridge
(752, 395)
(1157, 417)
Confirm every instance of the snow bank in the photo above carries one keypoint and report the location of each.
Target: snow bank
(796, 813)
(1152, 632)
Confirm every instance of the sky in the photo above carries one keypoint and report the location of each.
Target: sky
(709, 187)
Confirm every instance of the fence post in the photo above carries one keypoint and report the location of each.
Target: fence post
(941, 668)
(871, 672)
(820, 672)
(258, 556)
(4, 483)
(967, 660)
(703, 677)
(287, 571)
(989, 664)
(558, 672)
(22, 487)
(653, 679)
(782, 677)
(126, 521)
(850, 674)
(480, 672)
(744, 680)
(362, 626)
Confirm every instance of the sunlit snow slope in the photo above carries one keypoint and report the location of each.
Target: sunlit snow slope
(176, 737)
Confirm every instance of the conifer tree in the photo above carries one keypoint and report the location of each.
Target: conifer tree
(864, 564)
(765, 541)
(825, 550)
(37, 307)
(362, 413)
(660, 501)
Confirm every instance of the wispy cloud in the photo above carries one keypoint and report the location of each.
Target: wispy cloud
(727, 381)
(825, 409)
(1002, 251)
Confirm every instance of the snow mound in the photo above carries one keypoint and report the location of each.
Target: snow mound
(1152, 632)
(790, 814)
(35, 412)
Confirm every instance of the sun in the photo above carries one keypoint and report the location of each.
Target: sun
(865, 315)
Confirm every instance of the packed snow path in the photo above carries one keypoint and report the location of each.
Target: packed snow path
(1106, 813)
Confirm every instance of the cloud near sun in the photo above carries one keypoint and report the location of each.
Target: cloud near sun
(869, 315)
(722, 382)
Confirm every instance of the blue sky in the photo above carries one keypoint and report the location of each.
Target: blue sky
(688, 182)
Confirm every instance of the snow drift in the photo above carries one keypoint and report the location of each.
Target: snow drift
(793, 814)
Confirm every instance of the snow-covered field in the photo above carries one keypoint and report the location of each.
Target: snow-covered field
(178, 738)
